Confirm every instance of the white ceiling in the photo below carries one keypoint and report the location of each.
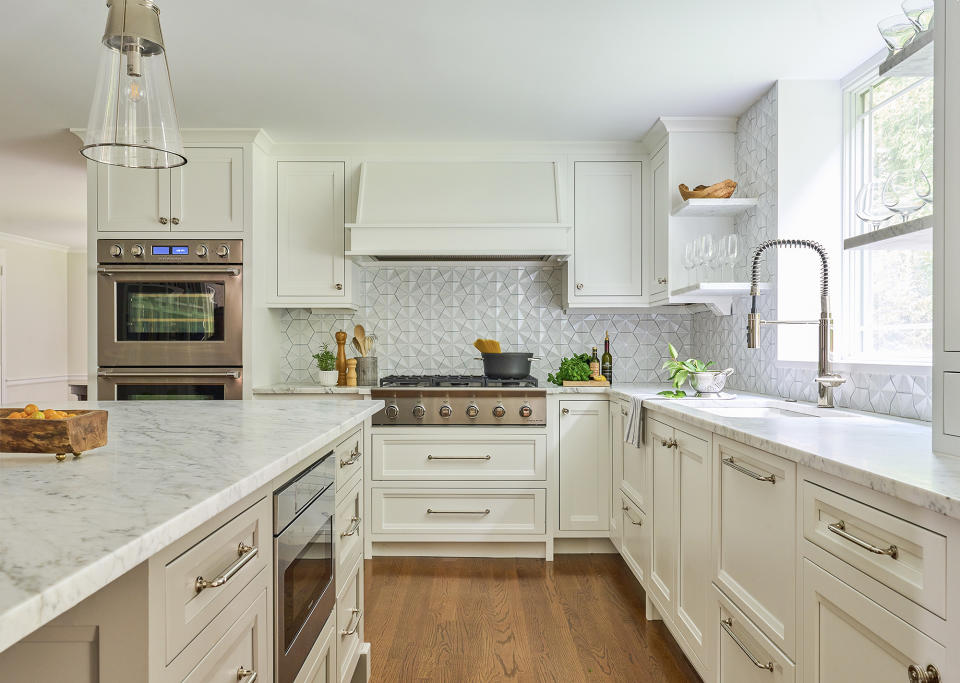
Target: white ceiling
(386, 70)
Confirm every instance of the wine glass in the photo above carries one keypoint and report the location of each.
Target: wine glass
(900, 193)
(687, 258)
(706, 252)
(923, 187)
(898, 31)
(732, 252)
(920, 12)
(870, 206)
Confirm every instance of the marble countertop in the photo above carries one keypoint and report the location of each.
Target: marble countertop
(69, 528)
(295, 388)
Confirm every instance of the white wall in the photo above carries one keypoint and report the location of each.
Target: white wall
(77, 315)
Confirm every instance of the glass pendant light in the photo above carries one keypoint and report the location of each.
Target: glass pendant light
(133, 120)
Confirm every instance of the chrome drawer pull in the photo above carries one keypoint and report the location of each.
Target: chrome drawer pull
(928, 675)
(729, 462)
(351, 630)
(431, 511)
(354, 525)
(669, 443)
(627, 510)
(245, 554)
(727, 625)
(458, 457)
(840, 529)
(246, 675)
(354, 456)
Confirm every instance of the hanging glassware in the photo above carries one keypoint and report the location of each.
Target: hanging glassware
(133, 118)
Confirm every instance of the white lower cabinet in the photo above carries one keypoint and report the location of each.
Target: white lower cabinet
(663, 509)
(584, 439)
(618, 413)
(321, 664)
(469, 512)
(349, 612)
(744, 654)
(635, 540)
(848, 637)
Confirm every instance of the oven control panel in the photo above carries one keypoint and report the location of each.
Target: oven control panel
(154, 251)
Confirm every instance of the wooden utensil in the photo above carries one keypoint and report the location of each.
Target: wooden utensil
(341, 338)
(356, 345)
(361, 336)
(82, 431)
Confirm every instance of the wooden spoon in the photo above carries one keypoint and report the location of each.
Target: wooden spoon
(360, 335)
(356, 345)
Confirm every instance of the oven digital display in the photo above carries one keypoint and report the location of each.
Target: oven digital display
(161, 251)
(180, 251)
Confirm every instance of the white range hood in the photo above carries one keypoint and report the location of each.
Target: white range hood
(459, 210)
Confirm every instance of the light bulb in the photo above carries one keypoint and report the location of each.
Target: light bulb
(135, 90)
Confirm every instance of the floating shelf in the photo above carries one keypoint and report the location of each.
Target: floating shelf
(714, 208)
(916, 59)
(718, 289)
(915, 234)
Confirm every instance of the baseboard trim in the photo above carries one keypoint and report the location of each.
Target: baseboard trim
(493, 550)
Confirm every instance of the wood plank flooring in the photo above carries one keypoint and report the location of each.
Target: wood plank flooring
(456, 620)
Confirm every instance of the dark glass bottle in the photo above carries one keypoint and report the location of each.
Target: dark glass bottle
(606, 360)
(594, 364)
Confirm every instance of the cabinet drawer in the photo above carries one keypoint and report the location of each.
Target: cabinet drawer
(635, 543)
(349, 456)
(901, 555)
(350, 623)
(746, 655)
(848, 637)
(755, 537)
(348, 533)
(497, 457)
(460, 511)
(321, 663)
(243, 544)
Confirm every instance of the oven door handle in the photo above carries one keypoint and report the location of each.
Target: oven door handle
(234, 374)
(107, 271)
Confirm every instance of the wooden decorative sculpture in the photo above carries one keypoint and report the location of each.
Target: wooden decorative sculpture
(722, 190)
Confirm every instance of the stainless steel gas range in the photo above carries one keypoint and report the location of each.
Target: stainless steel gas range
(459, 400)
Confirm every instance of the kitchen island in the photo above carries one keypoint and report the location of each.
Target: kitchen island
(68, 529)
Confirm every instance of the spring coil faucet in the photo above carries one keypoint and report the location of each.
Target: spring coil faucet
(826, 380)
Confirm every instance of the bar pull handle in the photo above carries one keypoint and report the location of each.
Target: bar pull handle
(840, 529)
(245, 554)
(727, 625)
(354, 526)
(354, 456)
(246, 675)
(354, 623)
(458, 457)
(431, 511)
(732, 464)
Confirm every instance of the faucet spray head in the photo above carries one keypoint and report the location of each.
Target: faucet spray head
(753, 330)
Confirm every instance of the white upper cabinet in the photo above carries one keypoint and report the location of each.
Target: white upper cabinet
(608, 253)
(205, 195)
(310, 231)
(661, 224)
(584, 466)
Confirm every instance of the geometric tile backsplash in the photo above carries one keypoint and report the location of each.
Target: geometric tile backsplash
(425, 319)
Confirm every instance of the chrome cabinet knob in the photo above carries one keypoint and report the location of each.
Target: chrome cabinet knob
(446, 411)
(223, 251)
(392, 411)
(499, 411)
(116, 251)
(175, 221)
(163, 220)
(202, 250)
(661, 280)
(526, 411)
(579, 285)
(339, 286)
(565, 411)
(137, 250)
(473, 410)
(928, 675)
(419, 411)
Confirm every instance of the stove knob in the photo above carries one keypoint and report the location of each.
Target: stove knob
(526, 411)
(223, 251)
(137, 250)
(201, 250)
(392, 411)
(116, 251)
(473, 410)
(419, 411)
(499, 411)
(446, 411)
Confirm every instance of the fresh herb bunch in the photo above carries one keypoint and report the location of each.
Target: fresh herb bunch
(680, 370)
(326, 361)
(576, 369)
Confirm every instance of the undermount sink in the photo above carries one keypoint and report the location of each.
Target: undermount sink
(767, 411)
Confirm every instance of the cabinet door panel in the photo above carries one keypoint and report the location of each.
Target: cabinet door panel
(310, 259)
(584, 466)
(207, 193)
(663, 508)
(617, 415)
(132, 199)
(661, 224)
(608, 256)
(635, 548)
(848, 637)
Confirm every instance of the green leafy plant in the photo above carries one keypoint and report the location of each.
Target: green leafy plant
(576, 369)
(681, 369)
(679, 393)
(326, 361)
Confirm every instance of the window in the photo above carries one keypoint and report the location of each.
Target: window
(888, 292)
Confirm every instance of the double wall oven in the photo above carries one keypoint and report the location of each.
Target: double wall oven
(170, 319)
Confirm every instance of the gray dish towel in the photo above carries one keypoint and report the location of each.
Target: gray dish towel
(634, 429)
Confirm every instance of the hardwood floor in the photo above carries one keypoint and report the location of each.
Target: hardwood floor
(580, 618)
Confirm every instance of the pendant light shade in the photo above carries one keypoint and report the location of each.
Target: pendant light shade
(133, 119)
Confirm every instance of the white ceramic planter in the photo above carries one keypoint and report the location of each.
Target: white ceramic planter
(328, 378)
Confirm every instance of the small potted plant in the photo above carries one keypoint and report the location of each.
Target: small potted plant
(327, 364)
(707, 383)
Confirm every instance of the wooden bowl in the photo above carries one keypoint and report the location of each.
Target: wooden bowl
(82, 431)
(721, 190)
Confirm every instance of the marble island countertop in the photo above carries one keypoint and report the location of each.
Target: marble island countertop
(69, 528)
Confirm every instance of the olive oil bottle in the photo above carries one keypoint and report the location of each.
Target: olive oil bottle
(594, 365)
(606, 360)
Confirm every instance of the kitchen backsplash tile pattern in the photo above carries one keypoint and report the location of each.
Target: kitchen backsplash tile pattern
(425, 320)
(723, 339)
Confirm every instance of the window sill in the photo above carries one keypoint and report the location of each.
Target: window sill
(868, 367)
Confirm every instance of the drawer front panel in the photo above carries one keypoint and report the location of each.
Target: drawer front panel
(349, 455)
(901, 555)
(348, 534)
(350, 624)
(321, 664)
(461, 511)
(756, 537)
(746, 655)
(635, 544)
(492, 457)
(187, 611)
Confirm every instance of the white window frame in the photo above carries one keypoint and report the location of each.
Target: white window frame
(852, 85)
